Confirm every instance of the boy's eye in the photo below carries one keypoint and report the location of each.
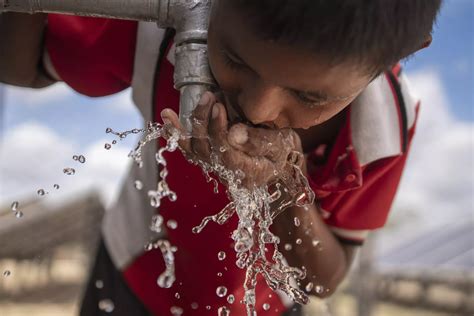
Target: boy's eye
(231, 62)
(307, 100)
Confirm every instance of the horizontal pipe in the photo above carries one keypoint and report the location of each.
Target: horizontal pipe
(142, 10)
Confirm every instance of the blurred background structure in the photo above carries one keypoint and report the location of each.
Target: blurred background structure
(420, 264)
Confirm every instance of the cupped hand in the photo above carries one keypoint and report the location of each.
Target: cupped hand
(260, 153)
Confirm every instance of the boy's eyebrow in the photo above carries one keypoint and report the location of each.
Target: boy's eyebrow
(319, 96)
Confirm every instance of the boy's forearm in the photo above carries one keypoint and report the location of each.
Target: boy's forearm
(21, 49)
(323, 256)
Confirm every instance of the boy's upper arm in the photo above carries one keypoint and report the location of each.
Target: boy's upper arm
(92, 55)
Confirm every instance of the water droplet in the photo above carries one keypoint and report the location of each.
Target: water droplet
(81, 159)
(114, 142)
(18, 214)
(219, 274)
(107, 146)
(6, 273)
(319, 289)
(14, 206)
(69, 171)
(288, 247)
(221, 291)
(176, 311)
(221, 255)
(156, 222)
(56, 186)
(231, 299)
(223, 149)
(223, 311)
(138, 184)
(299, 241)
(297, 222)
(315, 242)
(99, 284)
(266, 306)
(41, 192)
(106, 305)
(75, 157)
(172, 224)
(165, 281)
(309, 287)
(208, 307)
(177, 296)
(108, 130)
(149, 246)
(194, 305)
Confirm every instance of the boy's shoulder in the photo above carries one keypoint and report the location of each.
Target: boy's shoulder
(382, 117)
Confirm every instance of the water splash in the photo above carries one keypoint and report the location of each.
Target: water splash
(69, 171)
(153, 132)
(138, 185)
(221, 291)
(99, 284)
(256, 209)
(106, 305)
(223, 311)
(79, 158)
(167, 278)
(176, 311)
(15, 205)
(221, 255)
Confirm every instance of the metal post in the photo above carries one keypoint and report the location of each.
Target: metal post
(364, 280)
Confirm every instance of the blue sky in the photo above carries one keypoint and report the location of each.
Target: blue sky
(452, 54)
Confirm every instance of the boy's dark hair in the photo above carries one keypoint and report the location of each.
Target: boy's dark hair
(374, 33)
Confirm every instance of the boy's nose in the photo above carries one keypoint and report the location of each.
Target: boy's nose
(262, 103)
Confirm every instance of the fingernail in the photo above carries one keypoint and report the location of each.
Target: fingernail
(164, 118)
(205, 98)
(215, 111)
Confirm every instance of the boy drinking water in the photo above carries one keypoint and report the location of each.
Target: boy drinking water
(317, 77)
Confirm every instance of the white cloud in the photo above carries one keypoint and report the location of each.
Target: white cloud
(121, 102)
(438, 185)
(51, 95)
(33, 156)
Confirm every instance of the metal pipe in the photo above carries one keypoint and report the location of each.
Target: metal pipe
(144, 10)
(190, 19)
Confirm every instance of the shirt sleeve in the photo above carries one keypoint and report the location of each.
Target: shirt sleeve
(352, 214)
(92, 55)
